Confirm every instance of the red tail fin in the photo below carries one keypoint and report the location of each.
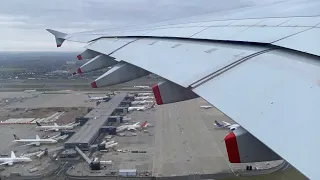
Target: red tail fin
(144, 124)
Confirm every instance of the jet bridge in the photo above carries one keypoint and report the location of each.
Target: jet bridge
(85, 157)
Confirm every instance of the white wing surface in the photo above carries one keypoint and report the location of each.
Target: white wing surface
(259, 65)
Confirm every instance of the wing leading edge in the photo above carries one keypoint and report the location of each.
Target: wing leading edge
(257, 78)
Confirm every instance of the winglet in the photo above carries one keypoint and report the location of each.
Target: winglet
(60, 37)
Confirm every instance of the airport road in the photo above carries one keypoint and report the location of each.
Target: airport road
(186, 142)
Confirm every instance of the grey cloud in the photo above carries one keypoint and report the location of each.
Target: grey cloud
(22, 20)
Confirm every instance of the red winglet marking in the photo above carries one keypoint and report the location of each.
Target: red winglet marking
(94, 84)
(79, 57)
(157, 94)
(79, 71)
(232, 148)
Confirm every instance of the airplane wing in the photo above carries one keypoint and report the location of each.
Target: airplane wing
(258, 65)
(226, 123)
(5, 163)
(29, 144)
(131, 129)
(52, 129)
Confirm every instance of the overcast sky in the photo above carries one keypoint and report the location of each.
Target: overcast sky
(23, 22)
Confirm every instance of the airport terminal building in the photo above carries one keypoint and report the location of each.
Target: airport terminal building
(98, 117)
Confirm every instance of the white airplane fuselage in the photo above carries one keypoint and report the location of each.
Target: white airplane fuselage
(15, 160)
(138, 108)
(143, 97)
(55, 128)
(144, 94)
(36, 142)
(142, 87)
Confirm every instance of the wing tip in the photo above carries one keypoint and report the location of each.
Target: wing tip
(57, 34)
(60, 36)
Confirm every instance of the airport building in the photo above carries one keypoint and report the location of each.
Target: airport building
(98, 117)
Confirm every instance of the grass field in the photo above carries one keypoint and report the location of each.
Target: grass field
(2, 70)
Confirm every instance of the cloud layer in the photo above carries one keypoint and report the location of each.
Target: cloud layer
(22, 22)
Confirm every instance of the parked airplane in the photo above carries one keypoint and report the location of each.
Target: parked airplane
(97, 98)
(131, 127)
(144, 94)
(13, 159)
(142, 87)
(141, 102)
(37, 141)
(206, 107)
(140, 108)
(54, 127)
(30, 90)
(38, 154)
(143, 97)
(232, 127)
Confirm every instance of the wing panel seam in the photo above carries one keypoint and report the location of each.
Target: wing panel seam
(227, 68)
(124, 46)
(292, 35)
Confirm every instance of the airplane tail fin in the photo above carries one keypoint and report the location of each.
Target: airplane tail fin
(15, 137)
(144, 124)
(38, 124)
(13, 155)
(55, 124)
(37, 137)
(218, 124)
